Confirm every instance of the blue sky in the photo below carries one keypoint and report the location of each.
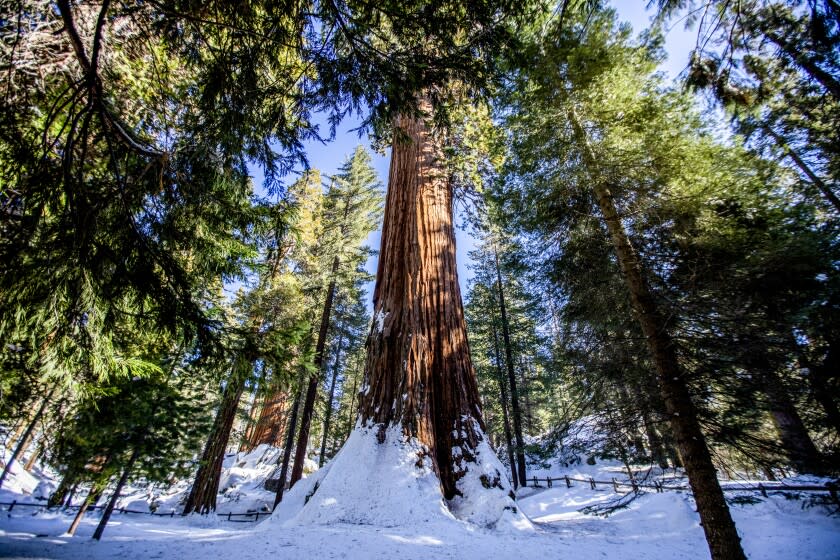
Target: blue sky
(328, 157)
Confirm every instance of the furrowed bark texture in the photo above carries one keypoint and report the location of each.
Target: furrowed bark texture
(721, 535)
(418, 371)
(202, 497)
(272, 421)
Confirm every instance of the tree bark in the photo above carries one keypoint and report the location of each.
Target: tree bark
(314, 379)
(514, 394)
(418, 371)
(290, 438)
(23, 443)
(795, 439)
(34, 457)
(58, 497)
(504, 400)
(801, 58)
(90, 499)
(328, 412)
(721, 535)
(804, 167)
(202, 496)
(109, 509)
(272, 420)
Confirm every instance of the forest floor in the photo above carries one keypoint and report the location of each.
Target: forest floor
(782, 525)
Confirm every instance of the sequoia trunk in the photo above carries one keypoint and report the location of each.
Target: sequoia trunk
(202, 497)
(272, 419)
(418, 371)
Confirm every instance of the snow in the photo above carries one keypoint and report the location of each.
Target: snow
(392, 484)
(374, 501)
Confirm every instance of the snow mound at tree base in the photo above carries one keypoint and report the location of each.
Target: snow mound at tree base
(390, 484)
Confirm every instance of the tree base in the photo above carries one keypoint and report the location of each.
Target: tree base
(392, 484)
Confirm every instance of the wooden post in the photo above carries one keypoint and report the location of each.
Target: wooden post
(568, 482)
(229, 514)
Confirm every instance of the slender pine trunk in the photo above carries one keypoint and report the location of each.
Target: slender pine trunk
(514, 393)
(90, 499)
(804, 167)
(802, 58)
(500, 378)
(329, 410)
(27, 435)
(314, 379)
(287, 447)
(794, 436)
(60, 494)
(109, 509)
(721, 535)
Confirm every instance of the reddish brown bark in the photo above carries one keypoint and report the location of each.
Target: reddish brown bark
(273, 418)
(418, 371)
(202, 496)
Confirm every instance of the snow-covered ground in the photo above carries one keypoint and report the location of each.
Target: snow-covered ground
(654, 526)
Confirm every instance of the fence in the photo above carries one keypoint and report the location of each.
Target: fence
(829, 487)
(225, 516)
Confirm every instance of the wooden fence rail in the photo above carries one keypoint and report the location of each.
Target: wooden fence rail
(830, 487)
(226, 516)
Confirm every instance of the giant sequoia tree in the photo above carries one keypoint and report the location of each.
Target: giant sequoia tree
(420, 390)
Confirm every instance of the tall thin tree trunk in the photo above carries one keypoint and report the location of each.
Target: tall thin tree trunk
(27, 435)
(109, 509)
(314, 379)
(801, 58)
(721, 535)
(354, 409)
(290, 438)
(818, 376)
(803, 166)
(657, 449)
(34, 457)
(254, 411)
(514, 393)
(60, 494)
(202, 496)
(328, 412)
(500, 378)
(90, 499)
(794, 436)
(418, 372)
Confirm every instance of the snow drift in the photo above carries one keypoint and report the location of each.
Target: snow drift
(392, 484)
